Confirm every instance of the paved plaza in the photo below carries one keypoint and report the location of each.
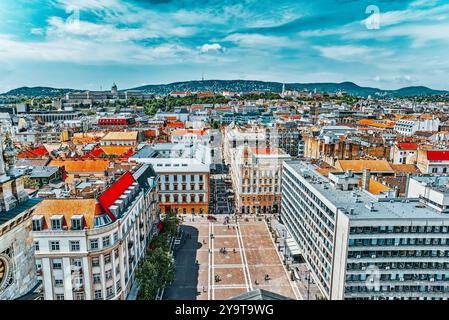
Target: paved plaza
(250, 256)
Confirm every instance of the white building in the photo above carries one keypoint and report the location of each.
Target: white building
(89, 249)
(404, 153)
(409, 127)
(433, 161)
(360, 247)
(184, 171)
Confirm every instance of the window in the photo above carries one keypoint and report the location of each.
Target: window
(118, 286)
(36, 245)
(79, 296)
(106, 241)
(98, 295)
(77, 223)
(57, 264)
(59, 297)
(59, 283)
(115, 236)
(54, 245)
(116, 254)
(77, 263)
(108, 274)
(56, 223)
(95, 262)
(110, 291)
(37, 223)
(93, 244)
(107, 258)
(74, 246)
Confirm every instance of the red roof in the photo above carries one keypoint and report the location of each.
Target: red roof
(107, 198)
(408, 146)
(33, 153)
(438, 155)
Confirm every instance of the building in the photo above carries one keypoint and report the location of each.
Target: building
(116, 120)
(256, 178)
(119, 138)
(357, 246)
(17, 272)
(433, 161)
(88, 249)
(184, 170)
(404, 153)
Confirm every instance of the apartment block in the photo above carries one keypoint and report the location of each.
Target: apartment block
(362, 247)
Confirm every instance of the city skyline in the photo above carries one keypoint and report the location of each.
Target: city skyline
(151, 42)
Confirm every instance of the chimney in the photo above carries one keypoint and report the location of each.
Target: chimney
(366, 178)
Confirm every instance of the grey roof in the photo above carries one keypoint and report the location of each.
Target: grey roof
(384, 208)
(11, 214)
(260, 294)
(43, 172)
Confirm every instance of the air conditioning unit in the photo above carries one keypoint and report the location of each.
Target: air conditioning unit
(373, 256)
(387, 268)
(358, 256)
(363, 268)
(432, 279)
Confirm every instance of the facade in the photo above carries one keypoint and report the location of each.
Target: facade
(17, 271)
(433, 161)
(256, 178)
(88, 249)
(359, 247)
(409, 127)
(404, 153)
(184, 170)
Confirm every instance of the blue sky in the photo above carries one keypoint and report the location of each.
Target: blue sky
(135, 42)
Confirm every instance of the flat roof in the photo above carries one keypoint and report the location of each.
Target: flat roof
(384, 208)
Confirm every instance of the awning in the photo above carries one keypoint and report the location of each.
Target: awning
(293, 247)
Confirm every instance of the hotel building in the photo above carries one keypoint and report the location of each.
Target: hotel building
(362, 247)
(256, 177)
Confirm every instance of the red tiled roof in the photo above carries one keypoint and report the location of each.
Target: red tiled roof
(33, 153)
(407, 146)
(438, 155)
(107, 198)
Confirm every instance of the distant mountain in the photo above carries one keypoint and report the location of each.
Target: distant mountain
(246, 86)
(251, 86)
(37, 92)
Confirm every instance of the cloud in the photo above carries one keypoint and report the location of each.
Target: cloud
(211, 47)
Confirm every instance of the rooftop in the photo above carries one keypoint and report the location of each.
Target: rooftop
(361, 201)
(11, 214)
(118, 135)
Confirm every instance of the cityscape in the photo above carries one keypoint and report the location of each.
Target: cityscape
(264, 177)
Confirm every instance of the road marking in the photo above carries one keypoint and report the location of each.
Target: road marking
(208, 269)
(244, 261)
(283, 266)
(212, 255)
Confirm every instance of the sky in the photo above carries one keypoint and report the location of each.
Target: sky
(89, 44)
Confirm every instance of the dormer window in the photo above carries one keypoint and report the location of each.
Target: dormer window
(77, 222)
(56, 222)
(38, 223)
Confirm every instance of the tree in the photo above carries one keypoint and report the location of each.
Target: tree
(215, 124)
(156, 270)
